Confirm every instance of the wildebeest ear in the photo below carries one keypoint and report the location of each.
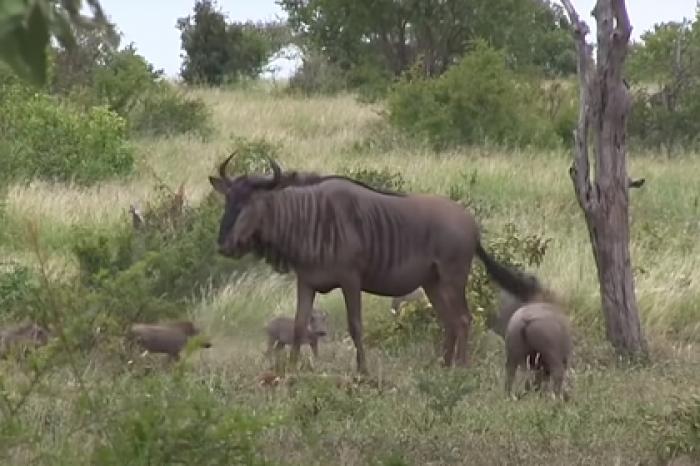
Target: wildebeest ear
(219, 184)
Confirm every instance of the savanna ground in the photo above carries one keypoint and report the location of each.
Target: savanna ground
(411, 411)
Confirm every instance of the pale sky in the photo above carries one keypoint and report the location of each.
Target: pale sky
(150, 24)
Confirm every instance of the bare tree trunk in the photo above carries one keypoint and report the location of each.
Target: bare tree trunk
(604, 107)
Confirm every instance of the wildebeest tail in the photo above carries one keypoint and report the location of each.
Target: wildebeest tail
(523, 286)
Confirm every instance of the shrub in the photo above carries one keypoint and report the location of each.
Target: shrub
(476, 100)
(123, 80)
(251, 156)
(444, 390)
(151, 273)
(18, 290)
(317, 76)
(151, 422)
(166, 111)
(678, 433)
(127, 84)
(40, 136)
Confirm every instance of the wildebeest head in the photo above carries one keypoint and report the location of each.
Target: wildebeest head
(235, 236)
(319, 322)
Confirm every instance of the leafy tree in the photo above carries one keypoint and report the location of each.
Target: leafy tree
(26, 27)
(71, 67)
(666, 70)
(395, 34)
(478, 99)
(216, 51)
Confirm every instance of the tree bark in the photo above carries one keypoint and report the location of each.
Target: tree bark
(604, 107)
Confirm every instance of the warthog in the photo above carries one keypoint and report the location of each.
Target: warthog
(185, 326)
(168, 338)
(396, 301)
(280, 331)
(336, 232)
(24, 335)
(537, 336)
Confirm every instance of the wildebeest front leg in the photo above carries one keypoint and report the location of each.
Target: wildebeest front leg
(353, 306)
(305, 302)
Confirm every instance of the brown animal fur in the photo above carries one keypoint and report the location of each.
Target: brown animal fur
(334, 232)
(185, 326)
(280, 331)
(28, 334)
(168, 338)
(537, 336)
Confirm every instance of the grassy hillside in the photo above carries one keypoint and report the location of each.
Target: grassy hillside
(411, 411)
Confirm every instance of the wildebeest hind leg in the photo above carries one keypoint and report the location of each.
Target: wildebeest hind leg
(436, 297)
(461, 321)
(353, 306)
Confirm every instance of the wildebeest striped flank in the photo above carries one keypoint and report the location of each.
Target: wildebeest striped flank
(335, 232)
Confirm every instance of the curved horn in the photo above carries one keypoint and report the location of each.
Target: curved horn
(276, 170)
(222, 167)
(270, 183)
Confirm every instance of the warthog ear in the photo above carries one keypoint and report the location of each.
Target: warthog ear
(219, 184)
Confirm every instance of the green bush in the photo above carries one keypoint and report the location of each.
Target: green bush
(317, 76)
(678, 433)
(656, 123)
(126, 83)
(152, 272)
(42, 137)
(152, 421)
(251, 156)
(18, 290)
(166, 111)
(477, 100)
(443, 390)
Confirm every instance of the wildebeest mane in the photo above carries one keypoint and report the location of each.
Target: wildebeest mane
(295, 178)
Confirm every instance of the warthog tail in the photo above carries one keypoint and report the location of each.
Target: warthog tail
(521, 285)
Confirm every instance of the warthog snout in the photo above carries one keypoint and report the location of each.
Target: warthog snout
(319, 323)
(280, 331)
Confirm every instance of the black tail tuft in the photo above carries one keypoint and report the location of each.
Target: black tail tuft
(521, 285)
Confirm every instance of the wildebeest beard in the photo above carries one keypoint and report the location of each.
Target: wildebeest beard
(271, 254)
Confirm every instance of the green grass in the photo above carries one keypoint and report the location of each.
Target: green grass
(406, 416)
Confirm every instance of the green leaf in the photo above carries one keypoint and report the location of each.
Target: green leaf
(24, 45)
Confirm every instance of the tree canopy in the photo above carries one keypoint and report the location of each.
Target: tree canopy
(393, 34)
(217, 51)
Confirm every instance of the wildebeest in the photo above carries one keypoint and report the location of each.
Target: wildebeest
(280, 331)
(167, 337)
(336, 232)
(537, 336)
(27, 334)
(396, 301)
